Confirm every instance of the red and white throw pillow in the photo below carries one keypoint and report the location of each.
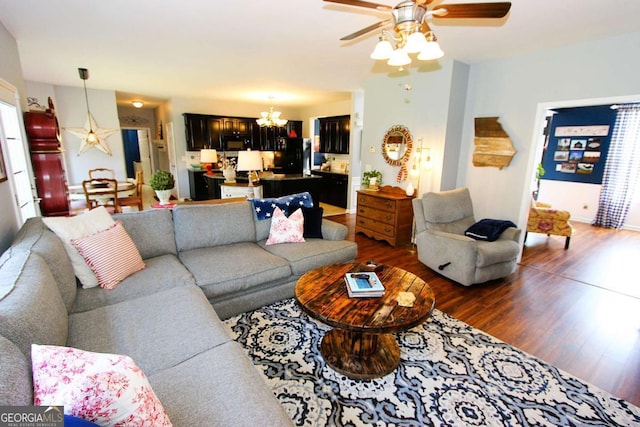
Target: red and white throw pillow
(108, 389)
(111, 255)
(286, 230)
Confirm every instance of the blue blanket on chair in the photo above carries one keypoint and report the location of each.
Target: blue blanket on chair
(488, 229)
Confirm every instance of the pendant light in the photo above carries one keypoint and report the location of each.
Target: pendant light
(91, 139)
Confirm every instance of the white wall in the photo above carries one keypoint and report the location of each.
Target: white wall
(72, 113)
(513, 90)
(424, 110)
(11, 72)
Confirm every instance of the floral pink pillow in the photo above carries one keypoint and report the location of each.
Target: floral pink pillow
(286, 230)
(107, 389)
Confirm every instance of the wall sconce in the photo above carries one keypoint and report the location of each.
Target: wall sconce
(250, 161)
(209, 157)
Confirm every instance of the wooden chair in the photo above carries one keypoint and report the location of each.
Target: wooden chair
(101, 173)
(136, 199)
(101, 192)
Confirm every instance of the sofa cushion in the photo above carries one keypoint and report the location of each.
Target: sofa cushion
(490, 253)
(36, 237)
(286, 230)
(233, 268)
(67, 228)
(151, 230)
(106, 388)
(31, 308)
(204, 226)
(312, 222)
(454, 213)
(314, 254)
(161, 273)
(157, 331)
(219, 387)
(264, 208)
(111, 255)
(16, 388)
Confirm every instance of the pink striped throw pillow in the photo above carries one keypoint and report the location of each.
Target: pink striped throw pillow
(111, 255)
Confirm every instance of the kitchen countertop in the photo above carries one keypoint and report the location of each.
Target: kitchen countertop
(319, 172)
(274, 177)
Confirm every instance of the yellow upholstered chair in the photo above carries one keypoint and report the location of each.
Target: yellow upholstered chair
(544, 219)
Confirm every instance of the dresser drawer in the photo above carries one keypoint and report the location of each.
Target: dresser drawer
(376, 214)
(377, 226)
(377, 202)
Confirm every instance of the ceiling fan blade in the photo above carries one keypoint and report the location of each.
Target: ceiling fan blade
(361, 3)
(366, 30)
(472, 10)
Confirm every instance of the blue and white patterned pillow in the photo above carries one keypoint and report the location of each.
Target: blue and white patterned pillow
(264, 207)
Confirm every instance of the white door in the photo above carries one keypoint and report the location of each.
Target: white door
(15, 153)
(171, 153)
(145, 153)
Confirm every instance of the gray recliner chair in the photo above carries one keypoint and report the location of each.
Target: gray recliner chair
(441, 220)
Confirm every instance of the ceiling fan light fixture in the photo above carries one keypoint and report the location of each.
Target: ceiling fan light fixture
(431, 49)
(416, 42)
(399, 58)
(383, 49)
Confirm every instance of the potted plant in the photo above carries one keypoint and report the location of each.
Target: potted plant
(162, 183)
(539, 174)
(372, 179)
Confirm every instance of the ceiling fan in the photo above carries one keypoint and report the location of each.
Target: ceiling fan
(411, 32)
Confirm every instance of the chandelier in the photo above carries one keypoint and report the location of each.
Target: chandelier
(271, 118)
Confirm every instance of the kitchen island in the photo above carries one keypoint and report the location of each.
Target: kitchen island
(273, 185)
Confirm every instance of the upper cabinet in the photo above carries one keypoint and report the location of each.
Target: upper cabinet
(237, 127)
(269, 135)
(207, 131)
(196, 131)
(334, 134)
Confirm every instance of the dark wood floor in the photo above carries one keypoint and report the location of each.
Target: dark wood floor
(556, 306)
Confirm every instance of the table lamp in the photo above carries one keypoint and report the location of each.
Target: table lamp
(209, 157)
(250, 161)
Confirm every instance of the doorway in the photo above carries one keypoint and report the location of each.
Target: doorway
(137, 152)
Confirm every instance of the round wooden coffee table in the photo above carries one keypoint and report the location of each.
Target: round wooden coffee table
(361, 344)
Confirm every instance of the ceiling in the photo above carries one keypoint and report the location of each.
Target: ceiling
(250, 50)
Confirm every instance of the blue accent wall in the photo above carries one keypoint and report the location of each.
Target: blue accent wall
(578, 157)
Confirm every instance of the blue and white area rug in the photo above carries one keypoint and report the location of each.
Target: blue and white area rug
(449, 374)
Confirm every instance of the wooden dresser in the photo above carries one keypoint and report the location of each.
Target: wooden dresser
(385, 215)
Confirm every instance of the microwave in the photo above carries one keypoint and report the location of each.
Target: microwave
(233, 144)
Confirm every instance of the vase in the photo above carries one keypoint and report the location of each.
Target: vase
(410, 190)
(229, 175)
(163, 196)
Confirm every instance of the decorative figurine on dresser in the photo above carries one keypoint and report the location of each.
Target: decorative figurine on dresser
(43, 134)
(385, 214)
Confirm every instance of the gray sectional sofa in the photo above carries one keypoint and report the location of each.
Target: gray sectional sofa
(203, 263)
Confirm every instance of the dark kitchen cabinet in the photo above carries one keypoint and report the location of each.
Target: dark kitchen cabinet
(196, 131)
(334, 188)
(268, 136)
(237, 127)
(215, 133)
(296, 127)
(198, 185)
(334, 134)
